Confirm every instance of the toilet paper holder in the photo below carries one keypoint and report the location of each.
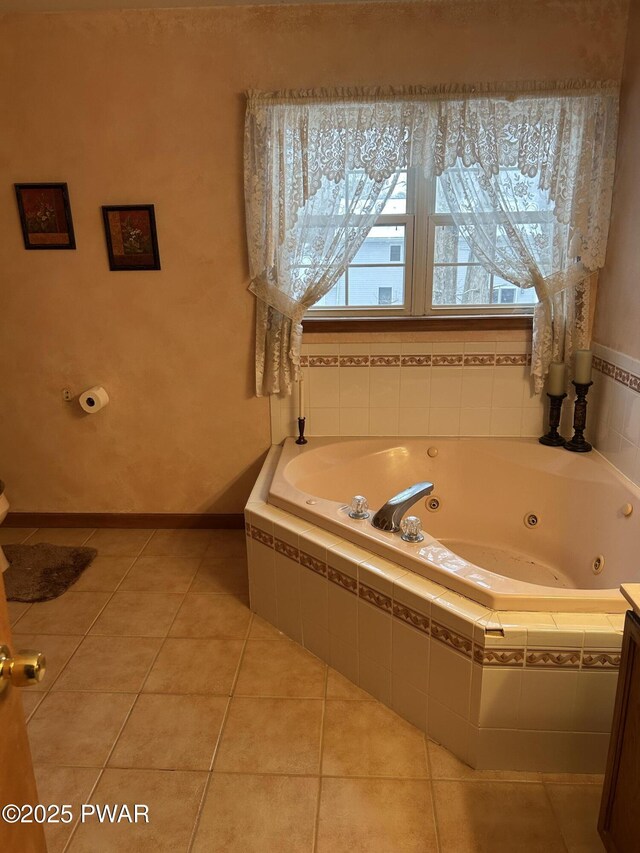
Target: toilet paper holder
(93, 399)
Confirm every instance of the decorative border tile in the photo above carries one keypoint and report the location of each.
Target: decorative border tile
(498, 657)
(451, 638)
(261, 536)
(568, 659)
(630, 380)
(594, 660)
(324, 361)
(448, 360)
(354, 361)
(384, 361)
(372, 596)
(473, 359)
(411, 617)
(342, 580)
(313, 563)
(600, 660)
(454, 359)
(288, 550)
(512, 359)
(415, 360)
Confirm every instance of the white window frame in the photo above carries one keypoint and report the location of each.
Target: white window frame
(420, 222)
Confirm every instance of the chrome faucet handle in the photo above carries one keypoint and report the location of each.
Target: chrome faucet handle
(411, 527)
(359, 507)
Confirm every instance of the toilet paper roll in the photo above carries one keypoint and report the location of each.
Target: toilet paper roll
(94, 399)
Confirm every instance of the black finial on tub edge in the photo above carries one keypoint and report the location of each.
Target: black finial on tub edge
(301, 439)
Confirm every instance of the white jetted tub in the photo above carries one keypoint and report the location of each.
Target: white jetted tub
(518, 526)
(500, 634)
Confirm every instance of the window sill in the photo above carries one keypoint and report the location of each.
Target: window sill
(460, 323)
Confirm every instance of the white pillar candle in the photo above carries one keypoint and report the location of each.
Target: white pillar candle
(584, 358)
(557, 378)
(301, 398)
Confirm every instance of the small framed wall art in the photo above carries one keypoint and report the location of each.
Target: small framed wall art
(45, 216)
(132, 241)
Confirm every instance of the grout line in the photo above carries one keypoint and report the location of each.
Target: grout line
(86, 800)
(433, 798)
(316, 827)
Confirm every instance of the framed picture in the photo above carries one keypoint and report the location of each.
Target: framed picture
(45, 216)
(132, 241)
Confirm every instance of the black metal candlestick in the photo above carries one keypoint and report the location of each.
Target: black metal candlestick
(553, 437)
(578, 443)
(301, 439)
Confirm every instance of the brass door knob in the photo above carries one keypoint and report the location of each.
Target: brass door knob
(25, 668)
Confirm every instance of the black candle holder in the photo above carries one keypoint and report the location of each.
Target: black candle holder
(553, 437)
(301, 439)
(578, 443)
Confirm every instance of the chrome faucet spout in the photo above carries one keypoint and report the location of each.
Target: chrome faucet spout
(390, 515)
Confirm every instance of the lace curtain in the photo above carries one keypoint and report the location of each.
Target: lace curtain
(305, 222)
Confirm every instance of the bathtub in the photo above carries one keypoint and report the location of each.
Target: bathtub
(515, 525)
(498, 636)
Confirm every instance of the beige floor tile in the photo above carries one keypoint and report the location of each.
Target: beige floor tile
(56, 648)
(61, 535)
(339, 687)
(177, 543)
(170, 733)
(138, 614)
(271, 736)
(77, 729)
(574, 778)
(15, 535)
(16, 610)
(495, 817)
(445, 765)
(280, 668)
(376, 816)
(255, 814)
(161, 574)
(119, 543)
(109, 664)
(104, 574)
(215, 616)
(367, 739)
(63, 785)
(263, 630)
(30, 701)
(195, 666)
(577, 808)
(71, 613)
(225, 575)
(227, 543)
(172, 797)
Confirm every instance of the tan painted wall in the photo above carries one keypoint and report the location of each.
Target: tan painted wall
(617, 321)
(148, 107)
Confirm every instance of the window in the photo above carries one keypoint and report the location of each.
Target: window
(415, 261)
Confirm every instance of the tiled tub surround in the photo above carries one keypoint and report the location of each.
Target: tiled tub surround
(414, 388)
(481, 541)
(502, 690)
(614, 410)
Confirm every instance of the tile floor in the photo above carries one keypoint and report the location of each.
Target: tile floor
(163, 689)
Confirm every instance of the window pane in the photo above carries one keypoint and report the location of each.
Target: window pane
(336, 296)
(450, 246)
(369, 286)
(398, 201)
(376, 249)
(461, 285)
